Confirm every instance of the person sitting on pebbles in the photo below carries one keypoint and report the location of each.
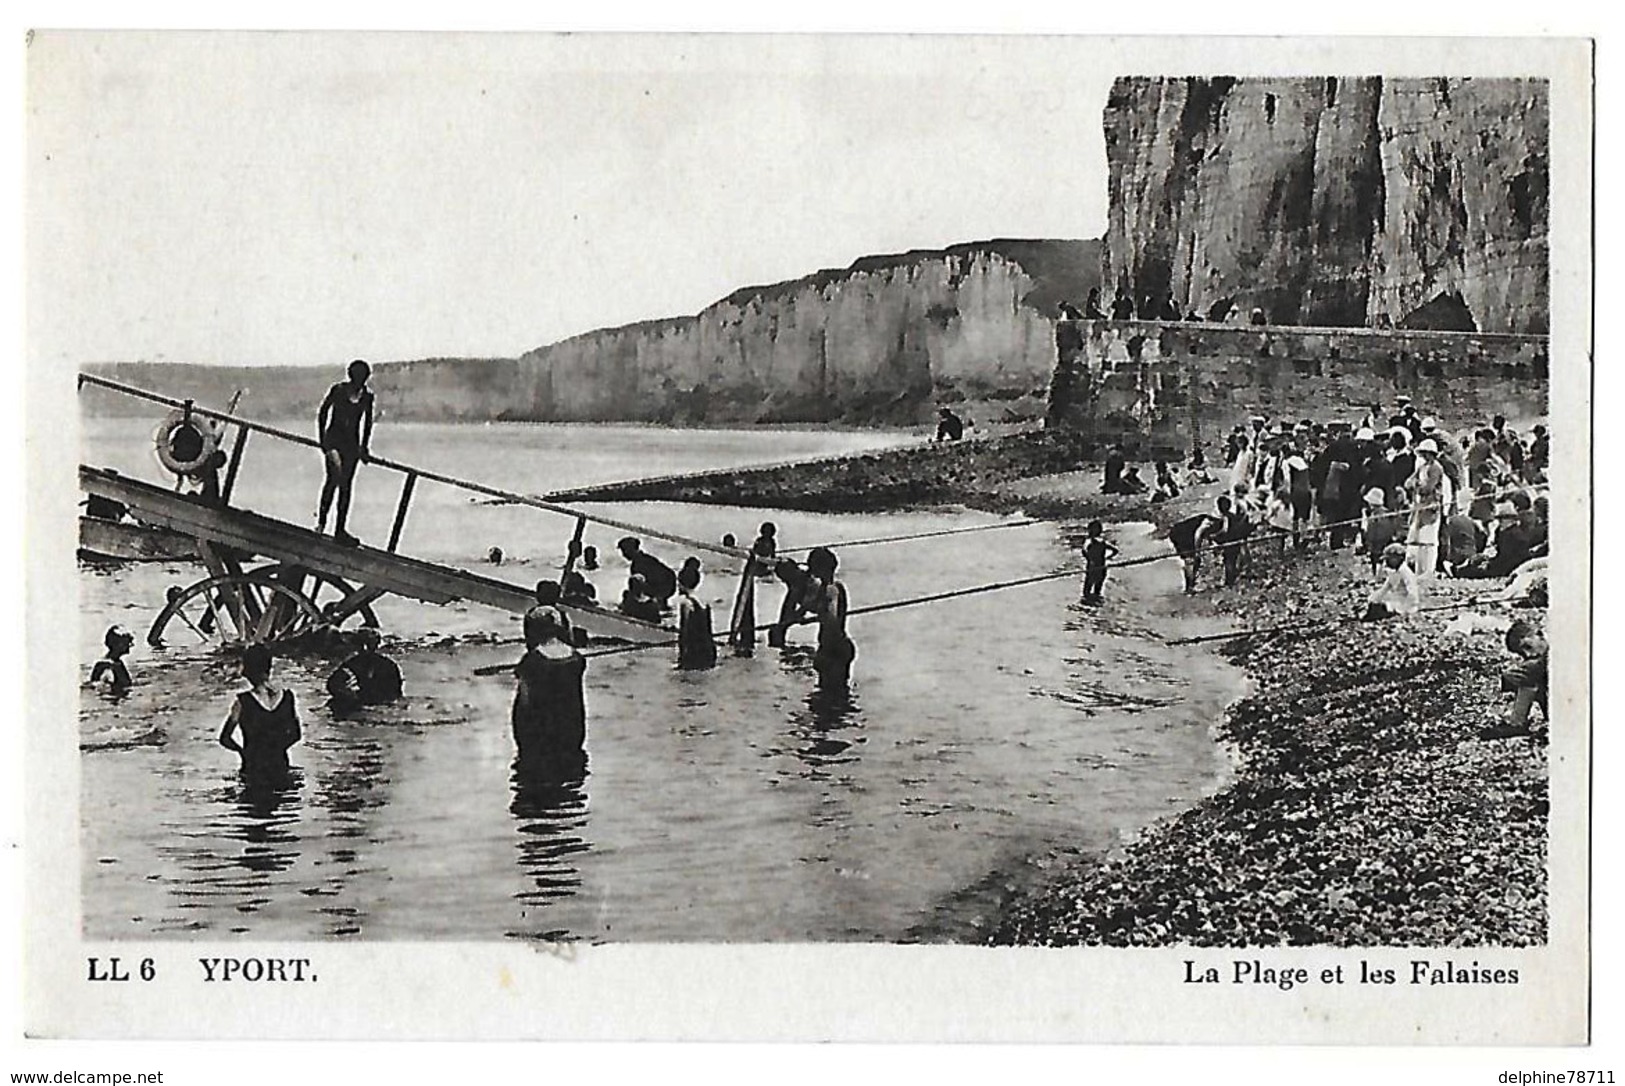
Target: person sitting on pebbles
(1400, 593)
(1528, 680)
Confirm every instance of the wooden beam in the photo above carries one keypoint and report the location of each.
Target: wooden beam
(407, 487)
(236, 462)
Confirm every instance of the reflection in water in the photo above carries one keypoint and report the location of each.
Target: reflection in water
(818, 744)
(266, 809)
(259, 814)
(550, 810)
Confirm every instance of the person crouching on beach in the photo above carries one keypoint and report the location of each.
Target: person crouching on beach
(1528, 680)
(1400, 594)
(549, 705)
(1096, 551)
(1191, 534)
(265, 716)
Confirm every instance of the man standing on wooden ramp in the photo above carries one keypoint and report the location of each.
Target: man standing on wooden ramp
(344, 426)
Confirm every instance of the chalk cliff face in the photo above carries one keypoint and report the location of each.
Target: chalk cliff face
(1338, 201)
(884, 341)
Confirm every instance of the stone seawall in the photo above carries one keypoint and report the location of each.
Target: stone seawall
(1157, 386)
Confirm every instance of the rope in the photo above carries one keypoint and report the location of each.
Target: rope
(848, 543)
(433, 476)
(1335, 620)
(1282, 533)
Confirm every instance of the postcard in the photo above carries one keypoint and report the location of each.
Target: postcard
(805, 538)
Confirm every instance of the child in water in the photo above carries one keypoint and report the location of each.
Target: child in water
(1096, 550)
(696, 644)
(110, 672)
(765, 550)
(266, 717)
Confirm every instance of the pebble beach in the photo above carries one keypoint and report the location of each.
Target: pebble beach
(1367, 809)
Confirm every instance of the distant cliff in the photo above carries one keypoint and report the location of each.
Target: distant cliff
(884, 341)
(1335, 201)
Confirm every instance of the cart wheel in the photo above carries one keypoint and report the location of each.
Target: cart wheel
(251, 608)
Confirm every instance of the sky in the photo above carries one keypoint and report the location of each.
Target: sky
(311, 198)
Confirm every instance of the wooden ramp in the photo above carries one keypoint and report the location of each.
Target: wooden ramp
(379, 571)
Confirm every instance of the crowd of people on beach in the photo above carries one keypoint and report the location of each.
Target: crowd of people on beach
(1418, 501)
(1466, 506)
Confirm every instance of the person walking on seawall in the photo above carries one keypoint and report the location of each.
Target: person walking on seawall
(1096, 552)
(265, 716)
(1091, 306)
(344, 426)
(835, 653)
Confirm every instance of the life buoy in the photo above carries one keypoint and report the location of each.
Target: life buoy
(184, 443)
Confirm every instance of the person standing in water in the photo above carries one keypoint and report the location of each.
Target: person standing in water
(1096, 551)
(835, 653)
(265, 716)
(549, 705)
(344, 425)
(696, 643)
(765, 550)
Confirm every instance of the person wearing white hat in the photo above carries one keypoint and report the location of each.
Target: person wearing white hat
(1428, 491)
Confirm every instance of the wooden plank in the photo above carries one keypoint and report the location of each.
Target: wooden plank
(398, 574)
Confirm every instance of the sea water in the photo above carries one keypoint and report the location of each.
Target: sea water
(733, 804)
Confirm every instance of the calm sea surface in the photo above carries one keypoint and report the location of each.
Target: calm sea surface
(723, 805)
